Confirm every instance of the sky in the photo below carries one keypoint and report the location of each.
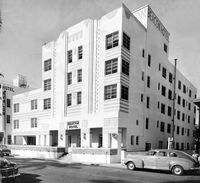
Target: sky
(28, 24)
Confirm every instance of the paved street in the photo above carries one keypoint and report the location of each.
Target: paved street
(49, 171)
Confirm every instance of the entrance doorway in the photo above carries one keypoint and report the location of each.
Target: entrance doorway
(147, 146)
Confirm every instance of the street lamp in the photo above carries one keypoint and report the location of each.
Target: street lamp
(174, 110)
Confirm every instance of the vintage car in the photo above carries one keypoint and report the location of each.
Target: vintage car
(162, 159)
(8, 170)
(4, 149)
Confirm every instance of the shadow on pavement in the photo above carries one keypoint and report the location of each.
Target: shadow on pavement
(193, 173)
(24, 178)
(38, 164)
(108, 181)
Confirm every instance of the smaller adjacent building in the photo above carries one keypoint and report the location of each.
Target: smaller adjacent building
(7, 90)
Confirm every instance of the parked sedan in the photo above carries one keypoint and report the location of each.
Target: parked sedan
(162, 159)
(8, 170)
(5, 150)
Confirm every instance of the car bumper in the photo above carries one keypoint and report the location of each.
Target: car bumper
(11, 176)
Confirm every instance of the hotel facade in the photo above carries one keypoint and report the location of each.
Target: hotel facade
(108, 84)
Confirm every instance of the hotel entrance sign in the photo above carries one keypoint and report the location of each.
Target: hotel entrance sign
(73, 125)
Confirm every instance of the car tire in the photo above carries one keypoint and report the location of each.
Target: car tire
(130, 165)
(177, 170)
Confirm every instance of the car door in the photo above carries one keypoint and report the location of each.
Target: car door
(162, 160)
(150, 160)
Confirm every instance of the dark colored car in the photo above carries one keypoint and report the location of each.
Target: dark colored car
(8, 170)
(162, 159)
(5, 150)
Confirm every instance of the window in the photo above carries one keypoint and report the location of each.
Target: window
(125, 67)
(168, 128)
(189, 106)
(163, 90)
(80, 52)
(79, 100)
(142, 76)
(159, 67)
(184, 89)
(47, 65)
(177, 130)
(148, 102)
(143, 53)
(112, 40)
(47, 84)
(137, 122)
(9, 139)
(190, 93)
(124, 92)
(182, 131)
(147, 123)
(69, 56)
(126, 41)
(79, 77)
(69, 99)
(137, 140)
(8, 118)
(179, 85)
(158, 105)
(33, 122)
(69, 78)
(178, 114)
(162, 108)
(111, 66)
(165, 47)
(141, 97)
(188, 132)
(188, 119)
(47, 103)
(169, 94)
(183, 117)
(33, 104)
(179, 100)
(16, 124)
(148, 81)
(110, 92)
(169, 111)
(170, 77)
(149, 60)
(164, 72)
(8, 102)
(132, 139)
(158, 86)
(183, 102)
(162, 126)
(16, 107)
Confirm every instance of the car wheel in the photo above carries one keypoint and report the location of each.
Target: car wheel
(130, 165)
(177, 170)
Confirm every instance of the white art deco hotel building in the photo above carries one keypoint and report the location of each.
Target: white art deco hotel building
(107, 84)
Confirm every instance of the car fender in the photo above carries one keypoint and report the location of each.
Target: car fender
(137, 161)
(183, 164)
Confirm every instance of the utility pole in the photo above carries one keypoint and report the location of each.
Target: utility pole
(174, 111)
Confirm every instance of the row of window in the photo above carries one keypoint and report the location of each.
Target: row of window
(33, 123)
(70, 54)
(112, 40)
(164, 74)
(111, 66)
(185, 89)
(69, 98)
(79, 77)
(34, 105)
(110, 92)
